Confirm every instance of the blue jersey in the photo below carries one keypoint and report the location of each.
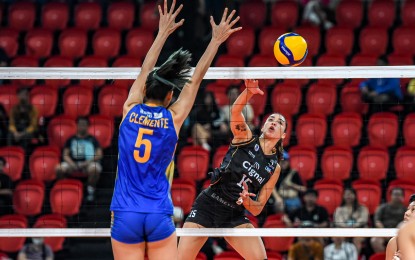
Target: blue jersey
(146, 145)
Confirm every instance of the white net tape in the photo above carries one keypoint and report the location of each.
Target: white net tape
(210, 232)
(217, 72)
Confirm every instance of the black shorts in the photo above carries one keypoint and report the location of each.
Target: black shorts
(211, 211)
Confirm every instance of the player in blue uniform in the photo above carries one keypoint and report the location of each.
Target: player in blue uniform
(141, 205)
(250, 169)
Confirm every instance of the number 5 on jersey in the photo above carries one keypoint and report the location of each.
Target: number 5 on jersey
(142, 141)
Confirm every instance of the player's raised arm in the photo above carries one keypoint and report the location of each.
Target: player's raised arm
(167, 26)
(238, 125)
(220, 33)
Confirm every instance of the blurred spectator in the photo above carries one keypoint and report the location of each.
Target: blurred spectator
(351, 214)
(381, 93)
(290, 185)
(36, 250)
(6, 191)
(248, 112)
(320, 12)
(82, 153)
(305, 249)
(388, 215)
(310, 214)
(23, 121)
(340, 250)
(209, 126)
(3, 126)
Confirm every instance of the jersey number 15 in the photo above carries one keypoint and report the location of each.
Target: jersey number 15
(142, 141)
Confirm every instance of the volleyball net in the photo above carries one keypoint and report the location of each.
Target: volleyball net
(214, 73)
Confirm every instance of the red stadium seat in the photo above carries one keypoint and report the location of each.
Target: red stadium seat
(102, 128)
(77, 101)
(286, 98)
(311, 129)
(60, 129)
(405, 163)
(339, 41)
(88, 15)
(284, 14)
(373, 163)
(12, 244)
(106, 42)
(382, 14)
(241, 44)
(409, 130)
(274, 255)
(267, 38)
(66, 197)
(312, 36)
(219, 92)
(228, 255)
(8, 97)
(15, 158)
(52, 221)
(252, 14)
(399, 59)
(125, 61)
(138, 42)
(377, 256)
(45, 99)
(369, 193)
(402, 41)
(373, 41)
(55, 16)
(121, 15)
(201, 256)
(73, 42)
(22, 15)
(93, 61)
(279, 244)
(24, 61)
(183, 194)
(321, 99)
(193, 163)
(363, 60)
(349, 14)
(331, 60)
(9, 41)
(304, 160)
(351, 100)
(43, 161)
(337, 163)
(219, 155)
(346, 129)
(39, 43)
(149, 16)
(28, 197)
(408, 13)
(258, 102)
(229, 61)
(58, 61)
(383, 129)
(330, 194)
(111, 100)
(408, 187)
(263, 61)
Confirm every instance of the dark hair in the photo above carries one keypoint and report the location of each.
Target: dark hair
(82, 118)
(412, 198)
(24, 89)
(2, 160)
(279, 147)
(311, 191)
(174, 73)
(398, 188)
(355, 202)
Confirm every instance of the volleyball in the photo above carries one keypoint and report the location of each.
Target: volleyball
(290, 49)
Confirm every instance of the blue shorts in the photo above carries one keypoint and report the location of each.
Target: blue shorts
(133, 227)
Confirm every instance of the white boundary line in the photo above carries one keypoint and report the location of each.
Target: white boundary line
(216, 72)
(211, 232)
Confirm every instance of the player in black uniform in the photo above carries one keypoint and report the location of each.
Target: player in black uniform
(249, 169)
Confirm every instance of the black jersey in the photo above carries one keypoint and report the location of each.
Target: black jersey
(244, 162)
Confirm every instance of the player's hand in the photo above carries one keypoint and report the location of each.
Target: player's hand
(245, 194)
(223, 30)
(253, 87)
(167, 23)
